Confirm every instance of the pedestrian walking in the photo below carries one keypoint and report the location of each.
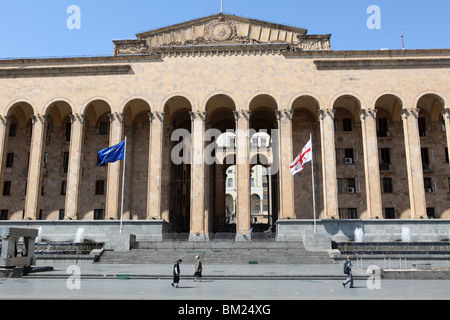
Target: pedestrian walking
(348, 272)
(176, 273)
(198, 269)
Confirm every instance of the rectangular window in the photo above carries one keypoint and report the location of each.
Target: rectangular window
(446, 155)
(13, 130)
(9, 160)
(347, 124)
(68, 131)
(103, 128)
(63, 187)
(4, 215)
(389, 213)
(422, 127)
(428, 185)
(387, 185)
(352, 213)
(66, 162)
(98, 214)
(430, 213)
(62, 213)
(382, 127)
(7, 188)
(100, 187)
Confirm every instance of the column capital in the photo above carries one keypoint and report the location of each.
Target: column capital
(198, 115)
(242, 114)
(284, 114)
(405, 113)
(161, 116)
(323, 113)
(4, 119)
(119, 116)
(364, 113)
(35, 118)
(77, 117)
(446, 113)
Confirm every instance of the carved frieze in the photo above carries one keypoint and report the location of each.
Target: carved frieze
(220, 30)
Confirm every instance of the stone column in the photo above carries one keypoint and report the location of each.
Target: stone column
(242, 175)
(75, 167)
(328, 164)
(371, 163)
(3, 147)
(446, 116)
(155, 165)
(414, 163)
(285, 159)
(34, 182)
(114, 176)
(198, 176)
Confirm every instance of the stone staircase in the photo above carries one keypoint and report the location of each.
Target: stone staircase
(217, 252)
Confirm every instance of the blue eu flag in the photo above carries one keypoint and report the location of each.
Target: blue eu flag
(112, 154)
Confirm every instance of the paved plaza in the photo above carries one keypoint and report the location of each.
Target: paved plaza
(220, 283)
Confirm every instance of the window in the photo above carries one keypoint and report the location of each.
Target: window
(422, 127)
(387, 185)
(68, 131)
(347, 124)
(98, 214)
(230, 182)
(45, 160)
(448, 184)
(4, 215)
(66, 162)
(103, 128)
(9, 160)
(428, 185)
(382, 127)
(63, 187)
(62, 213)
(430, 213)
(352, 213)
(446, 155)
(348, 155)
(7, 188)
(424, 155)
(100, 187)
(385, 158)
(389, 213)
(13, 130)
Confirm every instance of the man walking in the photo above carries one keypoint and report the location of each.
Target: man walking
(348, 271)
(176, 273)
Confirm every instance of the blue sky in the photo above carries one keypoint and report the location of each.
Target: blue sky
(37, 28)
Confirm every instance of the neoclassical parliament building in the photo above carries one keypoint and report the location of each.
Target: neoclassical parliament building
(379, 121)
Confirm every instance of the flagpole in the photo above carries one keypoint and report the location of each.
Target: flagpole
(123, 184)
(312, 178)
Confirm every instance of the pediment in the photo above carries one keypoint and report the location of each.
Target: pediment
(221, 29)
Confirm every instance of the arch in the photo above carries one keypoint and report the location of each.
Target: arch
(308, 95)
(432, 103)
(22, 109)
(346, 94)
(214, 94)
(96, 108)
(133, 107)
(174, 104)
(390, 102)
(400, 98)
(264, 99)
(93, 99)
(306, 103)
(439, 95)
(343, 101)
(219, 108)
(58, 109)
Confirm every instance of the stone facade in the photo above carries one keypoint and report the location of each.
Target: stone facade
(377, 120)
